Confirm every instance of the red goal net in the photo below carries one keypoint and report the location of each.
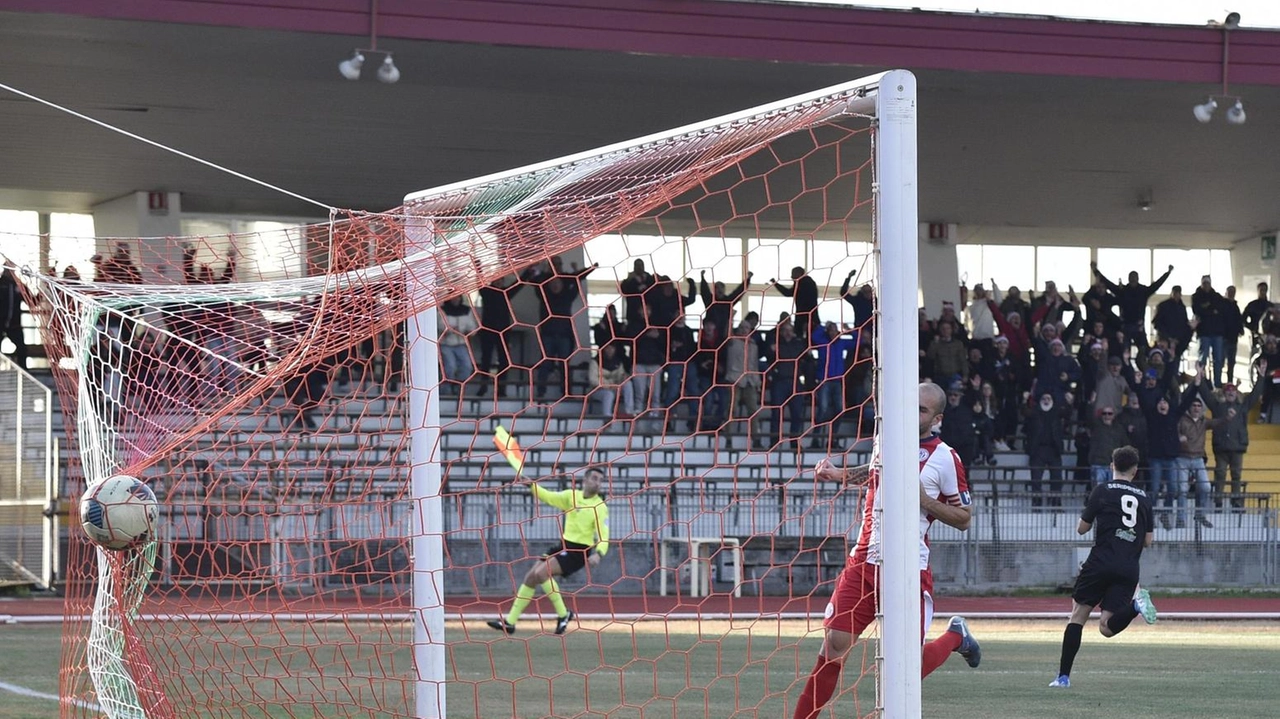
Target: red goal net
(691, 314)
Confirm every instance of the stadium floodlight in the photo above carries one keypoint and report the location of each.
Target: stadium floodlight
(1235, 116)
(1204, 111)
(388, 73)
(350, 68)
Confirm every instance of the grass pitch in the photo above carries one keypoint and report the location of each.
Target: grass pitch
(686, 669)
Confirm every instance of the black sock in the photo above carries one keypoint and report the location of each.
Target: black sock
(1121, 619)
(1070, 646)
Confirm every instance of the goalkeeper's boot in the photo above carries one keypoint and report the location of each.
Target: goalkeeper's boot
(501, 624)
(1062, 682)
(969, 648)
(1142, 602)
(562, 623)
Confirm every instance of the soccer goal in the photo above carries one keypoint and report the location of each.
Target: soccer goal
(339, 530)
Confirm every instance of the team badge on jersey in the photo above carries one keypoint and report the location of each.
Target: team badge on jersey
(924, 454)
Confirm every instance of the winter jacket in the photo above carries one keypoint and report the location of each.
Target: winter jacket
(1109, 390)
(741, 360)
(1232, 435)
(1045, 431)
(1104, 439)
(949, 359)
(1207, 306)
(1135, 423)
(1171, 321)
(1162, 429)
(1195, 430)
(833, 350)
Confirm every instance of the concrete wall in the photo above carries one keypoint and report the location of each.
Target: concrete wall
(958, 567)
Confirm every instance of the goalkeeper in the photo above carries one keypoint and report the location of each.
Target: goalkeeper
(585, 541)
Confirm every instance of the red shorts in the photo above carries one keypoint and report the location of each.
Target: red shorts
(853, 605)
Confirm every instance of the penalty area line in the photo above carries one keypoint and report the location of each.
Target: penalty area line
(23, 691)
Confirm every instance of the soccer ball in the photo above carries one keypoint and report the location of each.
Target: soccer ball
(119, 512)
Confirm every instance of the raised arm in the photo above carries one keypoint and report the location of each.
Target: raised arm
(1111, 286)
(189, 264)
(707, 297)
(1210, 400)
(1005, 328)
(1156, 285)
(229, 272)
(737, 294)
(844, 288)
(1189, 394)
(1258, 386)
(559, 500)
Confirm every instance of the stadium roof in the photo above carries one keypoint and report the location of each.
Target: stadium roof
(1026, 122)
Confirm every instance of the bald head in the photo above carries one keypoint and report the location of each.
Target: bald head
(932, 401)
(933, 397)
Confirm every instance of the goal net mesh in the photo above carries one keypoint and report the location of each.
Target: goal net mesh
(259, 383)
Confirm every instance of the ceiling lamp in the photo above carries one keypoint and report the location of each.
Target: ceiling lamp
(1204, 111)
(350, 68)
(1235, 116)
(387, 71)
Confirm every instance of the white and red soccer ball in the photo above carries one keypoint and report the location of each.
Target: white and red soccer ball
(119, 512)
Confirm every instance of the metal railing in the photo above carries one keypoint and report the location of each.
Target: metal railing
(323, 539)
(28, 479)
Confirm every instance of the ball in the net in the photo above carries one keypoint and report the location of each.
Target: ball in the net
(119, 512)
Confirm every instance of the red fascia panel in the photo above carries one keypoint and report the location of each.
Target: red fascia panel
(756, 31)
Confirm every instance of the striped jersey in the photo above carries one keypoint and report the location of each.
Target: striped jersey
(941, 475)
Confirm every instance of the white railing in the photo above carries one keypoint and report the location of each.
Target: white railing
(28, 479)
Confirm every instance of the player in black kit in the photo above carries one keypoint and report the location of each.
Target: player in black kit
(1109, 576)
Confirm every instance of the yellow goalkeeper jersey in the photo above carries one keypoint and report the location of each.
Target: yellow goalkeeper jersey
(585, 518)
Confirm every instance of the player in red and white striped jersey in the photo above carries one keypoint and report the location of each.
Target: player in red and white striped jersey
(944, 496)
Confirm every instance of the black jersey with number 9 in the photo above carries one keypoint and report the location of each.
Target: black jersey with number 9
(1122, 517)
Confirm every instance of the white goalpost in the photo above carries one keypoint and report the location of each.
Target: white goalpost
(423, 380)
(898, 230)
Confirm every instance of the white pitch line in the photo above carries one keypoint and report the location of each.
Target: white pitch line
(23, 691)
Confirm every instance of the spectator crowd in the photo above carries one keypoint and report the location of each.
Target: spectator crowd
(1041, 374)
